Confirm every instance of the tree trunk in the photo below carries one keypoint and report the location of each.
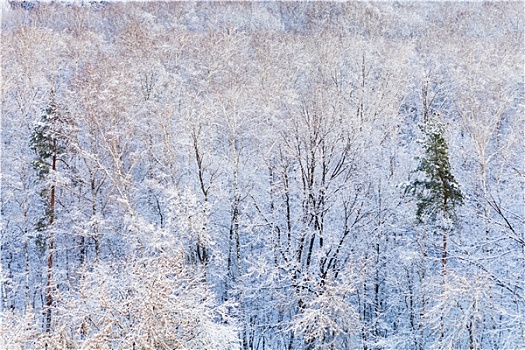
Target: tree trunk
(50, 250)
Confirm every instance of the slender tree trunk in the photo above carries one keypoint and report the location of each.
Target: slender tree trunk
(202, 250)
(444, 256)
(95, 226)
(50, 251)
(423, 310)
(82, 245)
(3, 290)
(27, 270)
(26, 255)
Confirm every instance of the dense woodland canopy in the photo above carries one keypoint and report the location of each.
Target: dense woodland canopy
(264, 175)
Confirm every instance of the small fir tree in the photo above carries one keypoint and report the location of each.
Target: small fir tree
(45, 142)
(438, 192)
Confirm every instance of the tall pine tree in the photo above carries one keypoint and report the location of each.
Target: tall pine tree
(437, 192)
(48, 140)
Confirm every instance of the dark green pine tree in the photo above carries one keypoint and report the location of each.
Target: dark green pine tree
(45, 141)
(48, 140)
(437, 192)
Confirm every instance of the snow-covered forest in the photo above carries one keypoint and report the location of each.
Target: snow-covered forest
(262, 175)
